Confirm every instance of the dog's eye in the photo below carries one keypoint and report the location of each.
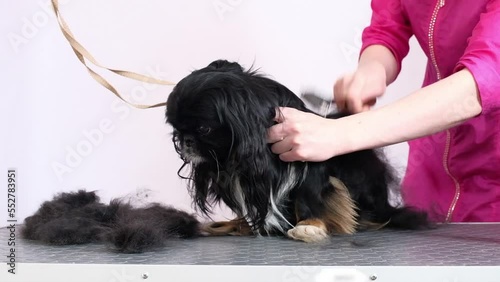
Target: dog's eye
(204, 130)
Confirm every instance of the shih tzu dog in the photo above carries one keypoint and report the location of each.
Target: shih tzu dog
(220, 115)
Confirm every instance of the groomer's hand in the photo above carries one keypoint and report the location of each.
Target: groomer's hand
(358, 92)
(301, 136)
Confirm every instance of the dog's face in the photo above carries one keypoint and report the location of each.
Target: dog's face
(214, 116)
(199, 135)
(199, 132)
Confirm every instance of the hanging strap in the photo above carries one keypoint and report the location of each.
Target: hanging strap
(83, 55)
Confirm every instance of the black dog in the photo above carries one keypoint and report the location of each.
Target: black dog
(79, 218)
(220, 115)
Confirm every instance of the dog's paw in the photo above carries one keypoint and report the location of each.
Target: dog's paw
(308, 233)
(236, 227)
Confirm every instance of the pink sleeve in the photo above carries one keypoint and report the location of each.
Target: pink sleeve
(389, 27)
(482, 56)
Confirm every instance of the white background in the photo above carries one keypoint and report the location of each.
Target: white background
(50, 105)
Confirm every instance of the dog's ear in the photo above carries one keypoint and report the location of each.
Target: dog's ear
(247, 117)
(224, 65)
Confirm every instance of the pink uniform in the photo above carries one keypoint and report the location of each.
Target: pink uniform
(453, 175)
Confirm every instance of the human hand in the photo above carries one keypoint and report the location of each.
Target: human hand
(301, 136)
(358, 92)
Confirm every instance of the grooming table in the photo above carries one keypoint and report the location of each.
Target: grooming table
(450, 253)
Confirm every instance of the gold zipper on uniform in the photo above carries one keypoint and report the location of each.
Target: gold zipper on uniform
(439, 5)
(447, 169)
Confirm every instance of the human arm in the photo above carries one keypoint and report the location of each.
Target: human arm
(473, 89)
(385, 44)
(303, 136)
(358, 91)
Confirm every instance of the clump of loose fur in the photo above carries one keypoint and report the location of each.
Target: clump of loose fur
(80, 218)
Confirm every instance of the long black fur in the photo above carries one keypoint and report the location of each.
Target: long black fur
(79, 218)
(220, 115)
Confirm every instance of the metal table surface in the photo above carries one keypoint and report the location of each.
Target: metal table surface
(454, 245)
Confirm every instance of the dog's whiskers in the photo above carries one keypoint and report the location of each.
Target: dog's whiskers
(214, 156)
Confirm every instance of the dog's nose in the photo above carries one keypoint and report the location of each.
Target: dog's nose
(189, 141)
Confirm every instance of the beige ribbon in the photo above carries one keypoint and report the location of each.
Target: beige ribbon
(82, 54)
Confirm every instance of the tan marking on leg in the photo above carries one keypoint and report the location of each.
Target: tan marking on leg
(340, 214)
(235, 227)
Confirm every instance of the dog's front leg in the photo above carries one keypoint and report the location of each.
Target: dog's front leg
(309, 209)
(323, 211)
(309, 228)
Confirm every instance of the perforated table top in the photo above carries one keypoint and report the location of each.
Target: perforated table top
(451, 245)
